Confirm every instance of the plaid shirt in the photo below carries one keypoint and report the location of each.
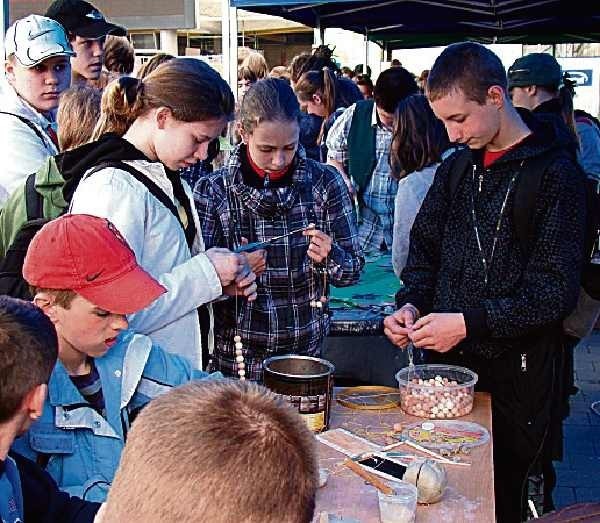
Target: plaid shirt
(376, 221)
(281, 320)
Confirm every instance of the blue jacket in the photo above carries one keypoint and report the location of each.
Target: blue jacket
(11, 499)
(82, 449)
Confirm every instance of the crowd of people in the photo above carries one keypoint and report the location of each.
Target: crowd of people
(148, 274)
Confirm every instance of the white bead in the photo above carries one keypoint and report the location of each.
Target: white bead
(238, 345)
(241, 366)
(239, 359)
(313, 303)
(319, 305)
(242, 373)
(242, 378)
(237, 338)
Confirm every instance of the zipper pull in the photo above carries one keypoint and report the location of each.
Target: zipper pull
(523, 362)
(480, 181)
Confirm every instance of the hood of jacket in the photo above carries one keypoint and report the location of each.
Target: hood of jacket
(268, 202)
(75, 163)
(550, 113)
(548, 133)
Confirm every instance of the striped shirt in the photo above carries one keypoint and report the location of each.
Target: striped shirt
(90, 387)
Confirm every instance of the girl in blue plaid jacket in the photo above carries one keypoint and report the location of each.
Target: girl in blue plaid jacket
(269, 188)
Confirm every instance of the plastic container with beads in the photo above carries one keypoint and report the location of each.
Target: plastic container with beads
(436, 391)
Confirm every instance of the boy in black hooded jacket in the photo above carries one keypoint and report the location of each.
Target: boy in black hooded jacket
(473, 295)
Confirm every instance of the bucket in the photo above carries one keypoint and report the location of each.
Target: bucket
(304, 382)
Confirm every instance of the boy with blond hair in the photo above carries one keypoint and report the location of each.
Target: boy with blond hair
(86, 279)
(28, 350)
(78, 112)
(37, 71)
(224, 451)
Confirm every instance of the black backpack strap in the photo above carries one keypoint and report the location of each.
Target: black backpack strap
(34, 203)
(527, 188)
(154, 189)
(29, 124)
(461, 164)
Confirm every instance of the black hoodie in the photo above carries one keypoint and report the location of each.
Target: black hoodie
(43, 502)
(525, 295)
(110, 147)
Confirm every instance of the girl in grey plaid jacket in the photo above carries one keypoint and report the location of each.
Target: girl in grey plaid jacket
(267, 189)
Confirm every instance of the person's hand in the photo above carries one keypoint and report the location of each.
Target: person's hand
(398, 325)
(228, 265)
(245, 285)
(256, 259)
(319, 246)
(439, 331)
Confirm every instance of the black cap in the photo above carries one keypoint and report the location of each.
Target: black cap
(534, 69)
(82, 19)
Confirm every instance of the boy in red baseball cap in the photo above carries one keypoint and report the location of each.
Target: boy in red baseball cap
(86, 279)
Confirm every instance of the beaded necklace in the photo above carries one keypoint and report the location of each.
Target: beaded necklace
(487, 263)
(317, 302)
(239, 355)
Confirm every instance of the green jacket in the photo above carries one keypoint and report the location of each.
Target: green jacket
(49, 184)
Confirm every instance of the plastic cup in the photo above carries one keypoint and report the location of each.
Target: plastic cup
(400, 506)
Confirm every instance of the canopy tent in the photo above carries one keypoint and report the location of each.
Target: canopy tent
(421, 23)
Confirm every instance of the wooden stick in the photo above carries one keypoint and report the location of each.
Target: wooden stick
(369, 477)
(392, 446)
(443, 459)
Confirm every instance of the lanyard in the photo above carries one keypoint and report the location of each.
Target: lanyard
(487, 263)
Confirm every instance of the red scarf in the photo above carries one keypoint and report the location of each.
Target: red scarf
(261, 173)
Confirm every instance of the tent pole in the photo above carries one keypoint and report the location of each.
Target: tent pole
(366, 61)
(319, 32)
(4, 21)
(229, 44)
(233, 46)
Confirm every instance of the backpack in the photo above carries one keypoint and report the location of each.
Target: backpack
(582, 116)
(11, 266)
(527, 189)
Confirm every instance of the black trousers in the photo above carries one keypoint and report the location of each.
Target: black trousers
(523, 383)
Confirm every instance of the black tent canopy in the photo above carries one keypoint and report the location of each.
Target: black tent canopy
(420, 23)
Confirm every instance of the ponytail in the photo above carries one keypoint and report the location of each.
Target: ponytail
(329, 93)
(122, 102)
(565, 97)
(323, 83)
(191, 89)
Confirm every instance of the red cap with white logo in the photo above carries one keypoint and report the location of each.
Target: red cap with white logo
(89, 255)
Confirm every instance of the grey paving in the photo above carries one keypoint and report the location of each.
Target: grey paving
(579, 473)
